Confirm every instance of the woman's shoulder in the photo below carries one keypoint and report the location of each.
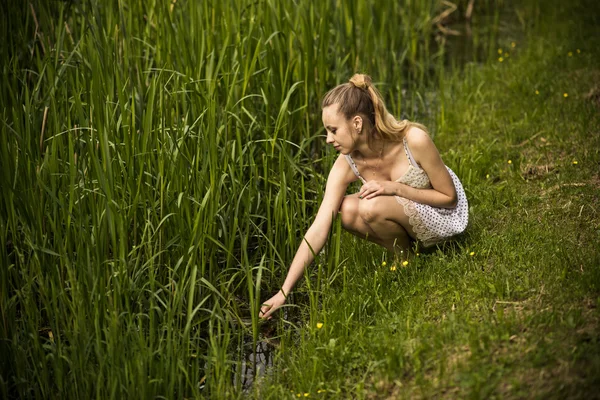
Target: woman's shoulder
(418, 139)
(416, 135)
(341, 171)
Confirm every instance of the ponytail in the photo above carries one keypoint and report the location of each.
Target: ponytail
(360, 97)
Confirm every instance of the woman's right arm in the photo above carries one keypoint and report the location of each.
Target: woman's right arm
(338, 180)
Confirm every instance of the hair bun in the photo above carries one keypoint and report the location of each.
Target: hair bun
(361, 81)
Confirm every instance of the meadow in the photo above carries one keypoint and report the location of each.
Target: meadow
(161, 160)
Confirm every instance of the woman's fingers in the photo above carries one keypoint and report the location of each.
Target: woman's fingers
(365, 190)
(374, 193)
(267, 310)
(271, 306)
(264, 310)
(370, 190)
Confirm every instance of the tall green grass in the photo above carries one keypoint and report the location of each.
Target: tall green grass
(159, 164)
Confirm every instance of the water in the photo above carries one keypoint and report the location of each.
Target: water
(257, 359)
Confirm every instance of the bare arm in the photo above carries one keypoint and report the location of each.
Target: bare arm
(442, 194)
(430, 197)
(339, 177)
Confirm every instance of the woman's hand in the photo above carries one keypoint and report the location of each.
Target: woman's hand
(271, 305)
(377, 188)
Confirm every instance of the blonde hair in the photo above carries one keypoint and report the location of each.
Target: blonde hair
(360, 97)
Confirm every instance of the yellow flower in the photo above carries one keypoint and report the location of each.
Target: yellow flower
(321, 391)
(306, 394)
(537, 92)
(383, 264)
(500, 51)
(510, 161)
(578, 51)
(500, 59)
(506, 55)
(565, 94)
(405, 263)
(575, 162)
(570, 54)
(393, 268)
(487, 176)
(513, 44)
(418, 254)
(472, 253)
(319, 325)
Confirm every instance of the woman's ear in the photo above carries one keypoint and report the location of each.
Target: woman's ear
(357, 123)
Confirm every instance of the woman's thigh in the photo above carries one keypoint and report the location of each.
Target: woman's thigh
(381, 216)
(381, 210)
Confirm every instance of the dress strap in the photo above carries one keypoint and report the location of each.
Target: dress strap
(354, 168)
(409, 154)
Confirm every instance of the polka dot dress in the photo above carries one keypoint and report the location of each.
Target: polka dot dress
(431, 224)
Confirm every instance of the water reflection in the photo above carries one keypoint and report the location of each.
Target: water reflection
(256, 359)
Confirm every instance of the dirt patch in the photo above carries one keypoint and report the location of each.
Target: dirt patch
(594, 95)
(530, 171)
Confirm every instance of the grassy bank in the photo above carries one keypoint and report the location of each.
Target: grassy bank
(511, 309)
(161, 160)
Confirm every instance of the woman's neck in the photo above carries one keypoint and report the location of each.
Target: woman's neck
(375, 150)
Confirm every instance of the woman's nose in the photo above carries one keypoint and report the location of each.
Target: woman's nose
(329, 138)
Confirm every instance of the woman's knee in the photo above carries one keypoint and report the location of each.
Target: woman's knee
(371, 210)
(349, 212)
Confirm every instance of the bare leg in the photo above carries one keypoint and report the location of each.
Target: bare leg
(380, 220)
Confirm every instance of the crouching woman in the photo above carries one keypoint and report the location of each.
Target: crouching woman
(407, 194)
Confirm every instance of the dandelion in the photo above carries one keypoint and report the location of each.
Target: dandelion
(306, 394)
(487, 176)
(537, 92)
(575, 162)
(565, 95)
(393, 268)
(510, 161)
(418, 254)
(472, 253)
(506, 55)
(405, 263)
(319, 325)
(383, 264)
(500, 59)
(513, 44)
(570, 54)
(578, 51)
(500, 51)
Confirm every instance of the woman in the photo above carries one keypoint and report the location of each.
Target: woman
(408, 194)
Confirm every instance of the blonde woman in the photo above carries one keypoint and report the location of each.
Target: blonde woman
(407, 192)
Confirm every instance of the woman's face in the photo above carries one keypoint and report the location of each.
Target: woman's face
(341, 132)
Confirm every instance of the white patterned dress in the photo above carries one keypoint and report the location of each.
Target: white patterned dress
(431, 224)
